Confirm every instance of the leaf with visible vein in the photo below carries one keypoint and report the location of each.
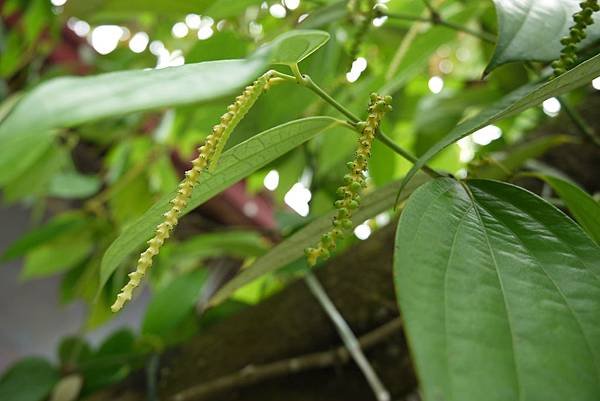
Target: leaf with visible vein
(499, 292)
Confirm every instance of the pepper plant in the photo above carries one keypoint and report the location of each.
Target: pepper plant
(497, 281)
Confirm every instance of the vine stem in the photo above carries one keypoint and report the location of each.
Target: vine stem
(436, 19)
(308, 83)
(347, 336)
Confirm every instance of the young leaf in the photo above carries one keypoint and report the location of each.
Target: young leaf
(170, 305)
(238, 243)
(235, 164)
(59, 225)
(499, 292)
(515, 102)
(72, 184)
(531, 30)
(584, 208)
(30, 379)
(293, 247)
(294, 46)
(57, 256)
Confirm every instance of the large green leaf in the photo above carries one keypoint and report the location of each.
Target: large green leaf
(584, 208)
(235, 164)
(293, 247)
(170, 305)
(27, 130)
(294, 46)
(531, 30)
(515, 102)
(499, 292)
(30, 379)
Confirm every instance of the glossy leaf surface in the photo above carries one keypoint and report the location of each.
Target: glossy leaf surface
(532, 29)
(499, 292)
(584, 208)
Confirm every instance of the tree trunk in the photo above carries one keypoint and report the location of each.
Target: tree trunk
(292, 324)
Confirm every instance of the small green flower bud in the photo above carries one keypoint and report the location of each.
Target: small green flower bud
(355, 186)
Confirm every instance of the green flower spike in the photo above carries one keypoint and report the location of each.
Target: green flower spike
(582, 19)
(208, 156)
(354, 181)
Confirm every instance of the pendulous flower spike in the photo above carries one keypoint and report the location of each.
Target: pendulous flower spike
(209, 154)
(581, 20)
(354, 181)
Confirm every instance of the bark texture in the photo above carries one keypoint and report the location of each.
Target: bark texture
(291, 324)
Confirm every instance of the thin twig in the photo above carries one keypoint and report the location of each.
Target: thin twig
(348, 337)
(256, 373)
(579, 122)
(436, 19)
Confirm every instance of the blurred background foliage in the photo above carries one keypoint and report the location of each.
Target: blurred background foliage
(98, 177)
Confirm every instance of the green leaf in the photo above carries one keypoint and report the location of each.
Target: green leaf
(235, 164)
(293, 247)
(73, 185)
(30, 379)
(237, 243)
(56, 257)
(531, 30)
(60, 254)
(112, 362)
(73, 350)
(513, 103)
(27, 130)
(325, 15)
(294, 46)
(584, 208)
(56, 227)
(499, 293)
(170, 305)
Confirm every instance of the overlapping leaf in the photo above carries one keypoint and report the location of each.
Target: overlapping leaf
(531, 30)
(235, 164)
(515, 102)
(293, 247)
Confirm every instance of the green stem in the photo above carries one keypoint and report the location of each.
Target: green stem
(387, 141)
(485, 36)
(310, 84)
(436, 19)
